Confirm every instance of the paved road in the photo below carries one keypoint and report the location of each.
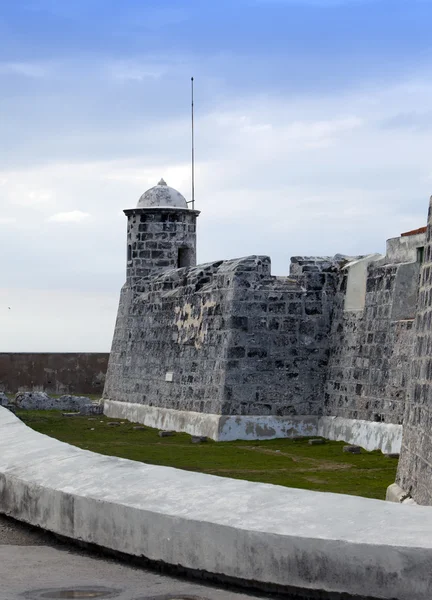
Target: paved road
(35, 566)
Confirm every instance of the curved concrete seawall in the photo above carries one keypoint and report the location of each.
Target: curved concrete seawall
(248, 531)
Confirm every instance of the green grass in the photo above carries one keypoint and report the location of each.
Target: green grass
(292, 463)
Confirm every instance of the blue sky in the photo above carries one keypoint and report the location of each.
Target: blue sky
(313, 124)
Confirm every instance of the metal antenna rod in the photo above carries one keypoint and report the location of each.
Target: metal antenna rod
(193, 147)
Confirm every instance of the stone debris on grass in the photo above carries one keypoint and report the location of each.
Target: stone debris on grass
(166, 433)
(198, 439)
(91, 409)
(42, 401)
(139, 428)
(316, 442)
(352, 449)
(113, 424)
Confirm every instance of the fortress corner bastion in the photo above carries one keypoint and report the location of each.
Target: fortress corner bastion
(339, 347)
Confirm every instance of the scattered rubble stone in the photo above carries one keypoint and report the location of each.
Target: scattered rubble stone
(92, 409)
(113, 424)
(352, 449)
(166, 433)
(42, 401)
(198, 439)
(392, 455)
(4, 400)
(139, 428)
(317, 442)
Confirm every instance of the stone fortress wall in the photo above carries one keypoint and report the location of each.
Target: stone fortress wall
(225, 338)
(372, 338)
(228, 338)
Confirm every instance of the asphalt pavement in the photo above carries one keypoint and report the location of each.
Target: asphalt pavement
(34, 565)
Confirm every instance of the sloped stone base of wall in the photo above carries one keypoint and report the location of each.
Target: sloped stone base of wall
(221, 428)
(225, 428)
(386, 437)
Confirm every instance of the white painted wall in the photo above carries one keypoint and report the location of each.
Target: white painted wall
(404, 249)
(355, 296)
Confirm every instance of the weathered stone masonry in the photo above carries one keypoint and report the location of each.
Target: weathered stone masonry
(371, 348)
(233, 339)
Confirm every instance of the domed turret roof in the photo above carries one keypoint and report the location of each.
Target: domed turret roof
(162, 196)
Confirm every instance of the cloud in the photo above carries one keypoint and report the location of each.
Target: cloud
(135, 71)
(25, 69)
(74, 216)
(409, 120)
(275, 175)
(52, 320)
(7, 220)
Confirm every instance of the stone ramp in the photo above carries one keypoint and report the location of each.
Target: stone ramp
(250, 532)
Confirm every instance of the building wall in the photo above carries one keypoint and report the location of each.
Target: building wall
(56, 373)
(372, 347)
(233, 339)
(415, 464)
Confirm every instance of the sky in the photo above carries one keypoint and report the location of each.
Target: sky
(313, 127)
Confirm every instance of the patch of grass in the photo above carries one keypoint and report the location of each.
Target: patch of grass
(292, 463)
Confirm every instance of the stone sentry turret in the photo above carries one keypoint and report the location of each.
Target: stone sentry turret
(161, 233)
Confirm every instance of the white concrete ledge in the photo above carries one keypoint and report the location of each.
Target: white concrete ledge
(225, 527)
(367, 434)
(221, 428)
(226, 428)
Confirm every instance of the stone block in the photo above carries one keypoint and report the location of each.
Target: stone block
(316, 442)
(352, 449)
(33, 401)
(91, 409)
(4, 400)
(166, 433)
(198, 439)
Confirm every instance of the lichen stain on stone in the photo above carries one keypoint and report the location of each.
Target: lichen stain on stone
(260, 430)
(190, 322)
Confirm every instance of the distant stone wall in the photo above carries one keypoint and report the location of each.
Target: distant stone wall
(225, 338)
(55, 373)
(372, 348)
